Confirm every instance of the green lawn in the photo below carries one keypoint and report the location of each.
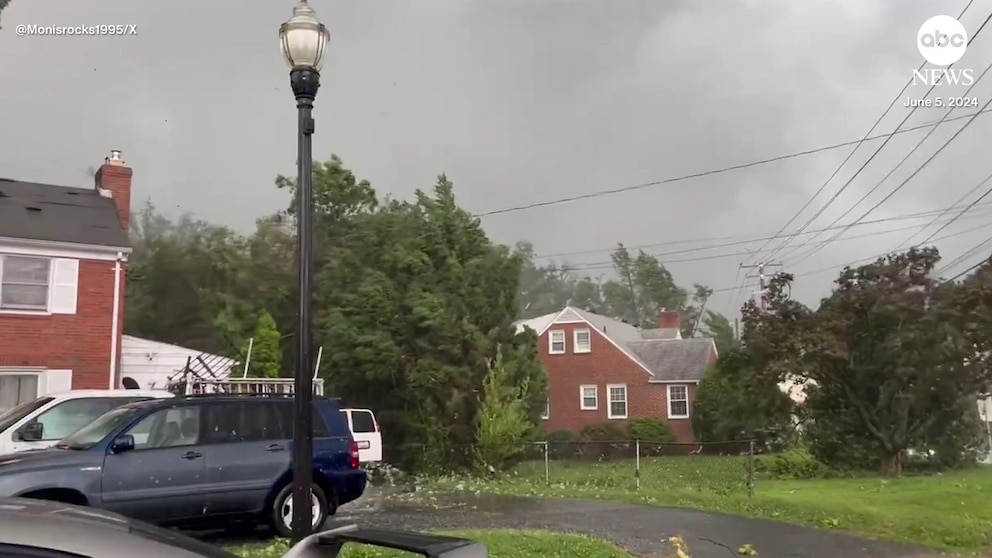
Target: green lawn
(501, 544)
(949, 512)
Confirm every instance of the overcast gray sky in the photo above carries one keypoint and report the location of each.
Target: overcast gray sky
(518, 101)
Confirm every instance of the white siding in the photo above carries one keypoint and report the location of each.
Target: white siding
(151, 363)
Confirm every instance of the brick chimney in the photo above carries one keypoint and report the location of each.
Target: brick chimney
(113, 180)
(669, 320)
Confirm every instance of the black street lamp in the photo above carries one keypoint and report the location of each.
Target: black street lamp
(303, 40)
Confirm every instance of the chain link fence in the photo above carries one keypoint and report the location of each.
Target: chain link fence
(722, 468)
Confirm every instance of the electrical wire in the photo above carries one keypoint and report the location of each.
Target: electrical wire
(879, 149)
(942, 213)
(970, 269)
(711, 172)
(900, 163)
(862, 260)
(907, 216)
(609, 264)
(963, 211)
(958, 260)
(904, 182)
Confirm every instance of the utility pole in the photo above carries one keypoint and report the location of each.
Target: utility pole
(760, 267)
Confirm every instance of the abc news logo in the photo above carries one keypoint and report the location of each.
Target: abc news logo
(942, 41)
(937, 39)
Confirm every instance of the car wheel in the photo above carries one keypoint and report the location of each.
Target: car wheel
(282, 510)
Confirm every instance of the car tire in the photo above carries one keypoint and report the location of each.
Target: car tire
(281, 513)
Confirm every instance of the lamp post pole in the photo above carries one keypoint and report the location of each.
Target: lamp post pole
(303, 40)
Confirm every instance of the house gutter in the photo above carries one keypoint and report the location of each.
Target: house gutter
(115, 324)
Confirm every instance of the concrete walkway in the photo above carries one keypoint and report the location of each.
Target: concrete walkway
(642, 530)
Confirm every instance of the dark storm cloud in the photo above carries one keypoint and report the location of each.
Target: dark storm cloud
(518, 101)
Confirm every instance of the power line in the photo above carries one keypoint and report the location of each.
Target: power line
(904, 182)
(963, 211)
(882, 255)
(907, 216)
(862, 260)
(609, 264)
(942, 213)
(970, 269)
(974, 250)
(901, 162)
(877, 151)
(685, 177)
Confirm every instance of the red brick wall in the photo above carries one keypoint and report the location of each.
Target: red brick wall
(80, 342)
(117, 179)
(605, 364)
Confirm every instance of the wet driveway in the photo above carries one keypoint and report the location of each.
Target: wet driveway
(641, 530)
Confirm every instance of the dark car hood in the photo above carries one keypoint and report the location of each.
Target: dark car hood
(43, 458)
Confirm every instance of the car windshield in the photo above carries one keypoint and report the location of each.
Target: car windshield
(93, 433)
(11, 417)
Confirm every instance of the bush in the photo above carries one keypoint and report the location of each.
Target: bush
(794, 465)
(651, 430)
(656, 432)
(563, 444)
(602, 432)
(604, 440)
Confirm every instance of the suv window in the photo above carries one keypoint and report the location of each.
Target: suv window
(168, 428)
(69, 416)
(286, 415)
(242, 421)
(362, 422)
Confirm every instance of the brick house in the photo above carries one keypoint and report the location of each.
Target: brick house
(601, 369)
(62, 281)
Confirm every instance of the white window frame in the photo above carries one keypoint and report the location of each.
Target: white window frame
(546, 413)
(39, 376)
(578, 349)
(609, 401)
(583, 396)
(23, 308)
(685, 388)
(551, 341)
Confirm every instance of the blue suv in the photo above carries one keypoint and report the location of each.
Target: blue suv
(193, 461)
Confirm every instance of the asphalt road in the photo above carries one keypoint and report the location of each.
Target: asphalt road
(642, 530)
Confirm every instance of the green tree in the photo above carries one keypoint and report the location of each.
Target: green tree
(891, 354)
(415, 301)
(265, 360)
(718, 327)
(734, 403)
(504, 421)
(643, 288)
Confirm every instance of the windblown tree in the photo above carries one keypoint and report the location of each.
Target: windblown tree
(888, 358)
(414, 304)
(735, 403)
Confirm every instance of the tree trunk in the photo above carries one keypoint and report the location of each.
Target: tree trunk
(891, 465)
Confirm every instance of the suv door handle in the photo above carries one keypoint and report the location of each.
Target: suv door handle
(192, 455)
(274, 447)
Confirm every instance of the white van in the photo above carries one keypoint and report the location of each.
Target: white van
(46, 420)
(365, 429)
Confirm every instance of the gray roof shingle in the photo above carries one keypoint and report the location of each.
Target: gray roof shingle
(660, 333)
(674, 359)
(59, 214)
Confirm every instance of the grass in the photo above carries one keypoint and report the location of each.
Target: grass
(947, 512)
(501, 544)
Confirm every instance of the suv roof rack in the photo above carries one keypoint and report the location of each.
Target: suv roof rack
(238, 386)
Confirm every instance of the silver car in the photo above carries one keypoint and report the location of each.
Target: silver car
(41, 529)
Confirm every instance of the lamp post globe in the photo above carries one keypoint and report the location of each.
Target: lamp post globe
(303, 41)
